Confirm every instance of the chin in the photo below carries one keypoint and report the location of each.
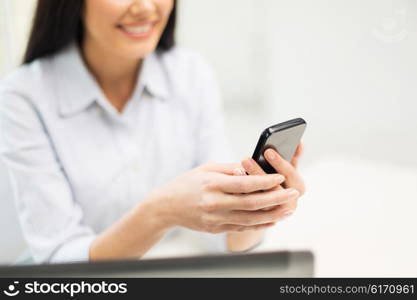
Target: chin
(136, 52)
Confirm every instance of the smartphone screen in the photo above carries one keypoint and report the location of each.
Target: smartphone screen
(283, 137)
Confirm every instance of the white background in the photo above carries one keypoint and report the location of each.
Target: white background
(349, 67)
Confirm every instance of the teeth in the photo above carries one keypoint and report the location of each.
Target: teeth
(137, 29)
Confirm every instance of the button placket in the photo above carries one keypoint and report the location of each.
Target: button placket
(130, 134)
(119, 158)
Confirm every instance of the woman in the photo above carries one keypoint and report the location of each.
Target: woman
(107, 129)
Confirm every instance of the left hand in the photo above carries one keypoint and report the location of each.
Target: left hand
(285, 168)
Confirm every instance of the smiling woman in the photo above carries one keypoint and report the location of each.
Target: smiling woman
(57, 23)
(108, 31)
(138, 29)
(107, 130)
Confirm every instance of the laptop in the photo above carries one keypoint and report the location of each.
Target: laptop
(268, 264)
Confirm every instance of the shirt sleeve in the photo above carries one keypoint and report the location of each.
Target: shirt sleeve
(51, 219)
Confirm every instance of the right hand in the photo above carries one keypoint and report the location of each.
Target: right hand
(211, 199)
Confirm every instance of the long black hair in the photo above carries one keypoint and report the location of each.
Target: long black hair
(59, 22)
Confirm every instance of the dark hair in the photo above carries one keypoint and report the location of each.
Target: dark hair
(59, 22)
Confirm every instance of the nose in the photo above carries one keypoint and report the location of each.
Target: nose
(142, 7)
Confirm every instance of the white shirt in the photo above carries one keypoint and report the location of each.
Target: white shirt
(77, 165)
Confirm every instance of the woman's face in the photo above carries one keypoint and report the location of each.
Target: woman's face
(126, 28)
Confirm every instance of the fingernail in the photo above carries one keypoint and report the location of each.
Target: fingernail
(238, 172)
(247, 163)
(270, 154)
(292, 194)
(280, 178)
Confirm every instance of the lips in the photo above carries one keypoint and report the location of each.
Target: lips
(141, 30)
(137, 29)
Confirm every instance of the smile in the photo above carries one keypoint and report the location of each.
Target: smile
(137, 31)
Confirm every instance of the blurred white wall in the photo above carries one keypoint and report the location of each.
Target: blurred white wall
(15, 20)
(230, 35)
(348, 66)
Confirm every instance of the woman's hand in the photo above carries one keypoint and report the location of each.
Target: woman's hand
(283, 167)
(242, 241)
(211, 199)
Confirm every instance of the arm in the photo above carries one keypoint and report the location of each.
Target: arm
(131, 236)
(206, 199)
(120, 240)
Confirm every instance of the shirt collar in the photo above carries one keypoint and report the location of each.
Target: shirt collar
(154, 76)
(78, 89)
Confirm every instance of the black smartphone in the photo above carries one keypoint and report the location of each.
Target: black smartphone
(283, 138)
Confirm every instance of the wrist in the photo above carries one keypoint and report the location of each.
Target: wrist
(244, 241)
(155, 208)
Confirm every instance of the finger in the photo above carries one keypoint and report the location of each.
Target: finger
(248, 184)
(251, 167)
(239, 172)
(279, 164)
(254, 218)
(298, 152)
(264, 226)
(300, 149)
(290, 205)
(253, 201)
(225, 168)
(239, 228)
(293, 178)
